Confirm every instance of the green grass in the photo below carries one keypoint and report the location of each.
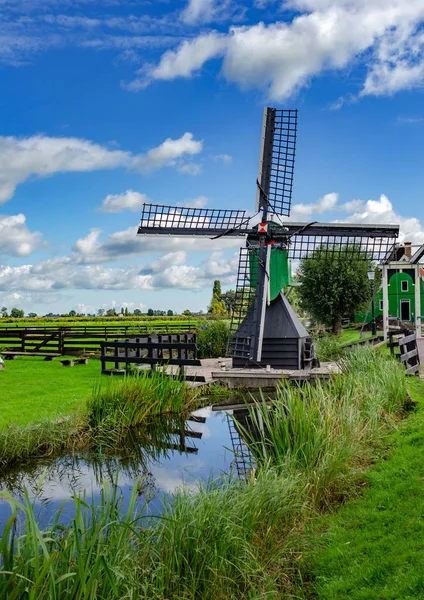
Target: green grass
(373, 548)
(229, 540)
(33, 390)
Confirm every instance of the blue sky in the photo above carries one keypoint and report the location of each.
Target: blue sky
(106, 104)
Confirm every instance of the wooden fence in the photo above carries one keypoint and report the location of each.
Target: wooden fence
(174, 349)
(76, 340)
(408, 350)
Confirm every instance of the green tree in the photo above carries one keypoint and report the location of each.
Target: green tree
(150, 312)
(217, 306)
(334, 286)
(187, 312)
(32, 315)
(170, 313)
(100, 312)
(17, 313)
(137, 312)
(4, 311)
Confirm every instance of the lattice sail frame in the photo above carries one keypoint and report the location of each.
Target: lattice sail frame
(276, 162)
(175, 220)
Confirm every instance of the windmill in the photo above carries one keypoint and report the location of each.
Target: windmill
(264, 329)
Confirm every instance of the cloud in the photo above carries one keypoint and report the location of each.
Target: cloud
(323, 36)
(170, 271)
(327, 202)
(207, 11)
(368, 212)
(381, 212)
(15, 237)
(131, 200)
(168, 153)
(225, 158)
(42, 156)
(21, 158)
(199, 202)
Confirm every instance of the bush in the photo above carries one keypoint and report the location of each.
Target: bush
(212, 339)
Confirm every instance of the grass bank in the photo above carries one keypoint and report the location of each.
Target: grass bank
(373, 548)
(231, 539)
(112, 408)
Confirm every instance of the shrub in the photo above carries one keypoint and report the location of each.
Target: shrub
(212, 339)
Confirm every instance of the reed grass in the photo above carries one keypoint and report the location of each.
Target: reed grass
(226, 539)
(323, 427)
(110, 412)
(127, 402)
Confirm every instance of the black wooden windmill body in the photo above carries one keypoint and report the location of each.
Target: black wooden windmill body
(264, 329)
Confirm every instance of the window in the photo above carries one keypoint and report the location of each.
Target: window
(404, 285)
(381, 305)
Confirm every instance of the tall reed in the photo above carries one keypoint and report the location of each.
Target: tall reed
(127, 402)
(323, 426)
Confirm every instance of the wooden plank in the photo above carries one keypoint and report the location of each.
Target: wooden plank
(412, 370)
(189, 362)
(19, 353)
(407, 339)
(408, 355)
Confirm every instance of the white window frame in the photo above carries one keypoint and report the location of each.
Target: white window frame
(407, 285)
(381, 305)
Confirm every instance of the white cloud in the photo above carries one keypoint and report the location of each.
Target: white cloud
(168, 153)
(42, 156)
(131, 200)
(21, 158)
(207, 11)
(327, 202)
(381, 212)
(324, 35)
(225, 158)
(15, 237)
(370, 212)
(199, 202)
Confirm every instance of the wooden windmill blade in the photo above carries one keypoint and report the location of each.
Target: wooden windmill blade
(276, 161)
(158, 219)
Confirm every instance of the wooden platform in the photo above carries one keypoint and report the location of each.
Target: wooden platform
(260, 378)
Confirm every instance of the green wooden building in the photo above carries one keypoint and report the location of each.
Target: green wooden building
(401, 295)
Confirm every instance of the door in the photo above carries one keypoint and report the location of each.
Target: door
(405, 310)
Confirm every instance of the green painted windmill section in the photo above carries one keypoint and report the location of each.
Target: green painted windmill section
(279, 271)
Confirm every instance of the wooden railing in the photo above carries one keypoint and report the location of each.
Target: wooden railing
(155, 350)
(77, 340)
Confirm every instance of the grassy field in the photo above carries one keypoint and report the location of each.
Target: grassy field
(373, 548)
(32, 390)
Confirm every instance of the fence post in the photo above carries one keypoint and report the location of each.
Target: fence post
(23, 336)
(61, 341)
(116, 354)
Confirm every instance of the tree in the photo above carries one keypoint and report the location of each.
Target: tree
(137, 312)
(17, 313)
(32, 315)
(170, 313)
(187, 312)
(217, 306)
(150, 312)
(72, 313)
(126, 311)
(4, 311)
(111, 312)
(228, 299)
(334, 286)
(100, 312)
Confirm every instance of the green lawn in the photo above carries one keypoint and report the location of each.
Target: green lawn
(353, 335)
(32, 389)
(373, 547)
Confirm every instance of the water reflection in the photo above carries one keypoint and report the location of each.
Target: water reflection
(158, 458)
